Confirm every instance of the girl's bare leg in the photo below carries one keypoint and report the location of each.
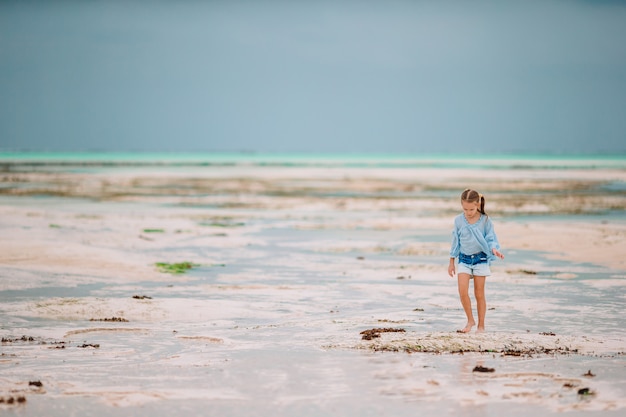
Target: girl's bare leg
(481, 303)
(463, 280)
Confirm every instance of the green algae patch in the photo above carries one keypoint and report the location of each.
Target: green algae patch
(224, 224)
(153, 230)
(175, 268)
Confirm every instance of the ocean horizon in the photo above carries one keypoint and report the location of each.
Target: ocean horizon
(389, 160)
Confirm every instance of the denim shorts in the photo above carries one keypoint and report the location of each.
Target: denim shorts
(478, 270)
(474, 265)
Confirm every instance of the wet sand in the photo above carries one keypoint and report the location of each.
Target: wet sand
(290, 265)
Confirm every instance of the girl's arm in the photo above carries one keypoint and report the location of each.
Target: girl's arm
(451, 269)
(455, 248)
(492, 239)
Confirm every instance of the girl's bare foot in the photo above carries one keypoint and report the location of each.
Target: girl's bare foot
(480, 330)
(467, 327)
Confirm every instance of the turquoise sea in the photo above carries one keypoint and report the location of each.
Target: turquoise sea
(408, 160)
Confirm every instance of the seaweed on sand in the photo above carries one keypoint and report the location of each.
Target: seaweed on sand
(175, 268)
(479, 368)
(375, 333)
(112, 319)
(225, 223)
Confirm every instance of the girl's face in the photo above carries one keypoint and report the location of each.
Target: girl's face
(470, 209)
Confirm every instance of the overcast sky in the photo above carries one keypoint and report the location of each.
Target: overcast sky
(314, 76)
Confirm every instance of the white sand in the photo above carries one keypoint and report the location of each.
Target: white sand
(294, 264)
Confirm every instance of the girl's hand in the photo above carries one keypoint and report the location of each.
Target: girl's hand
(451, 269)
(498, 253)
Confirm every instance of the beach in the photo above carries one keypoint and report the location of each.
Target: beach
(242, 286)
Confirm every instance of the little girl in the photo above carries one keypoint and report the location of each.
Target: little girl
(475, 243)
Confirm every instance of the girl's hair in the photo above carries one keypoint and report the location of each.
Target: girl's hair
(473, 196)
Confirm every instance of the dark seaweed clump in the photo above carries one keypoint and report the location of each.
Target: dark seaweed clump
(89, 345)
(18, 339)
(375, 333)
(13, 400)
(112, 319)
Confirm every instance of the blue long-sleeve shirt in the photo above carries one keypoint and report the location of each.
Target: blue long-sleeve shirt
(473, 238)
